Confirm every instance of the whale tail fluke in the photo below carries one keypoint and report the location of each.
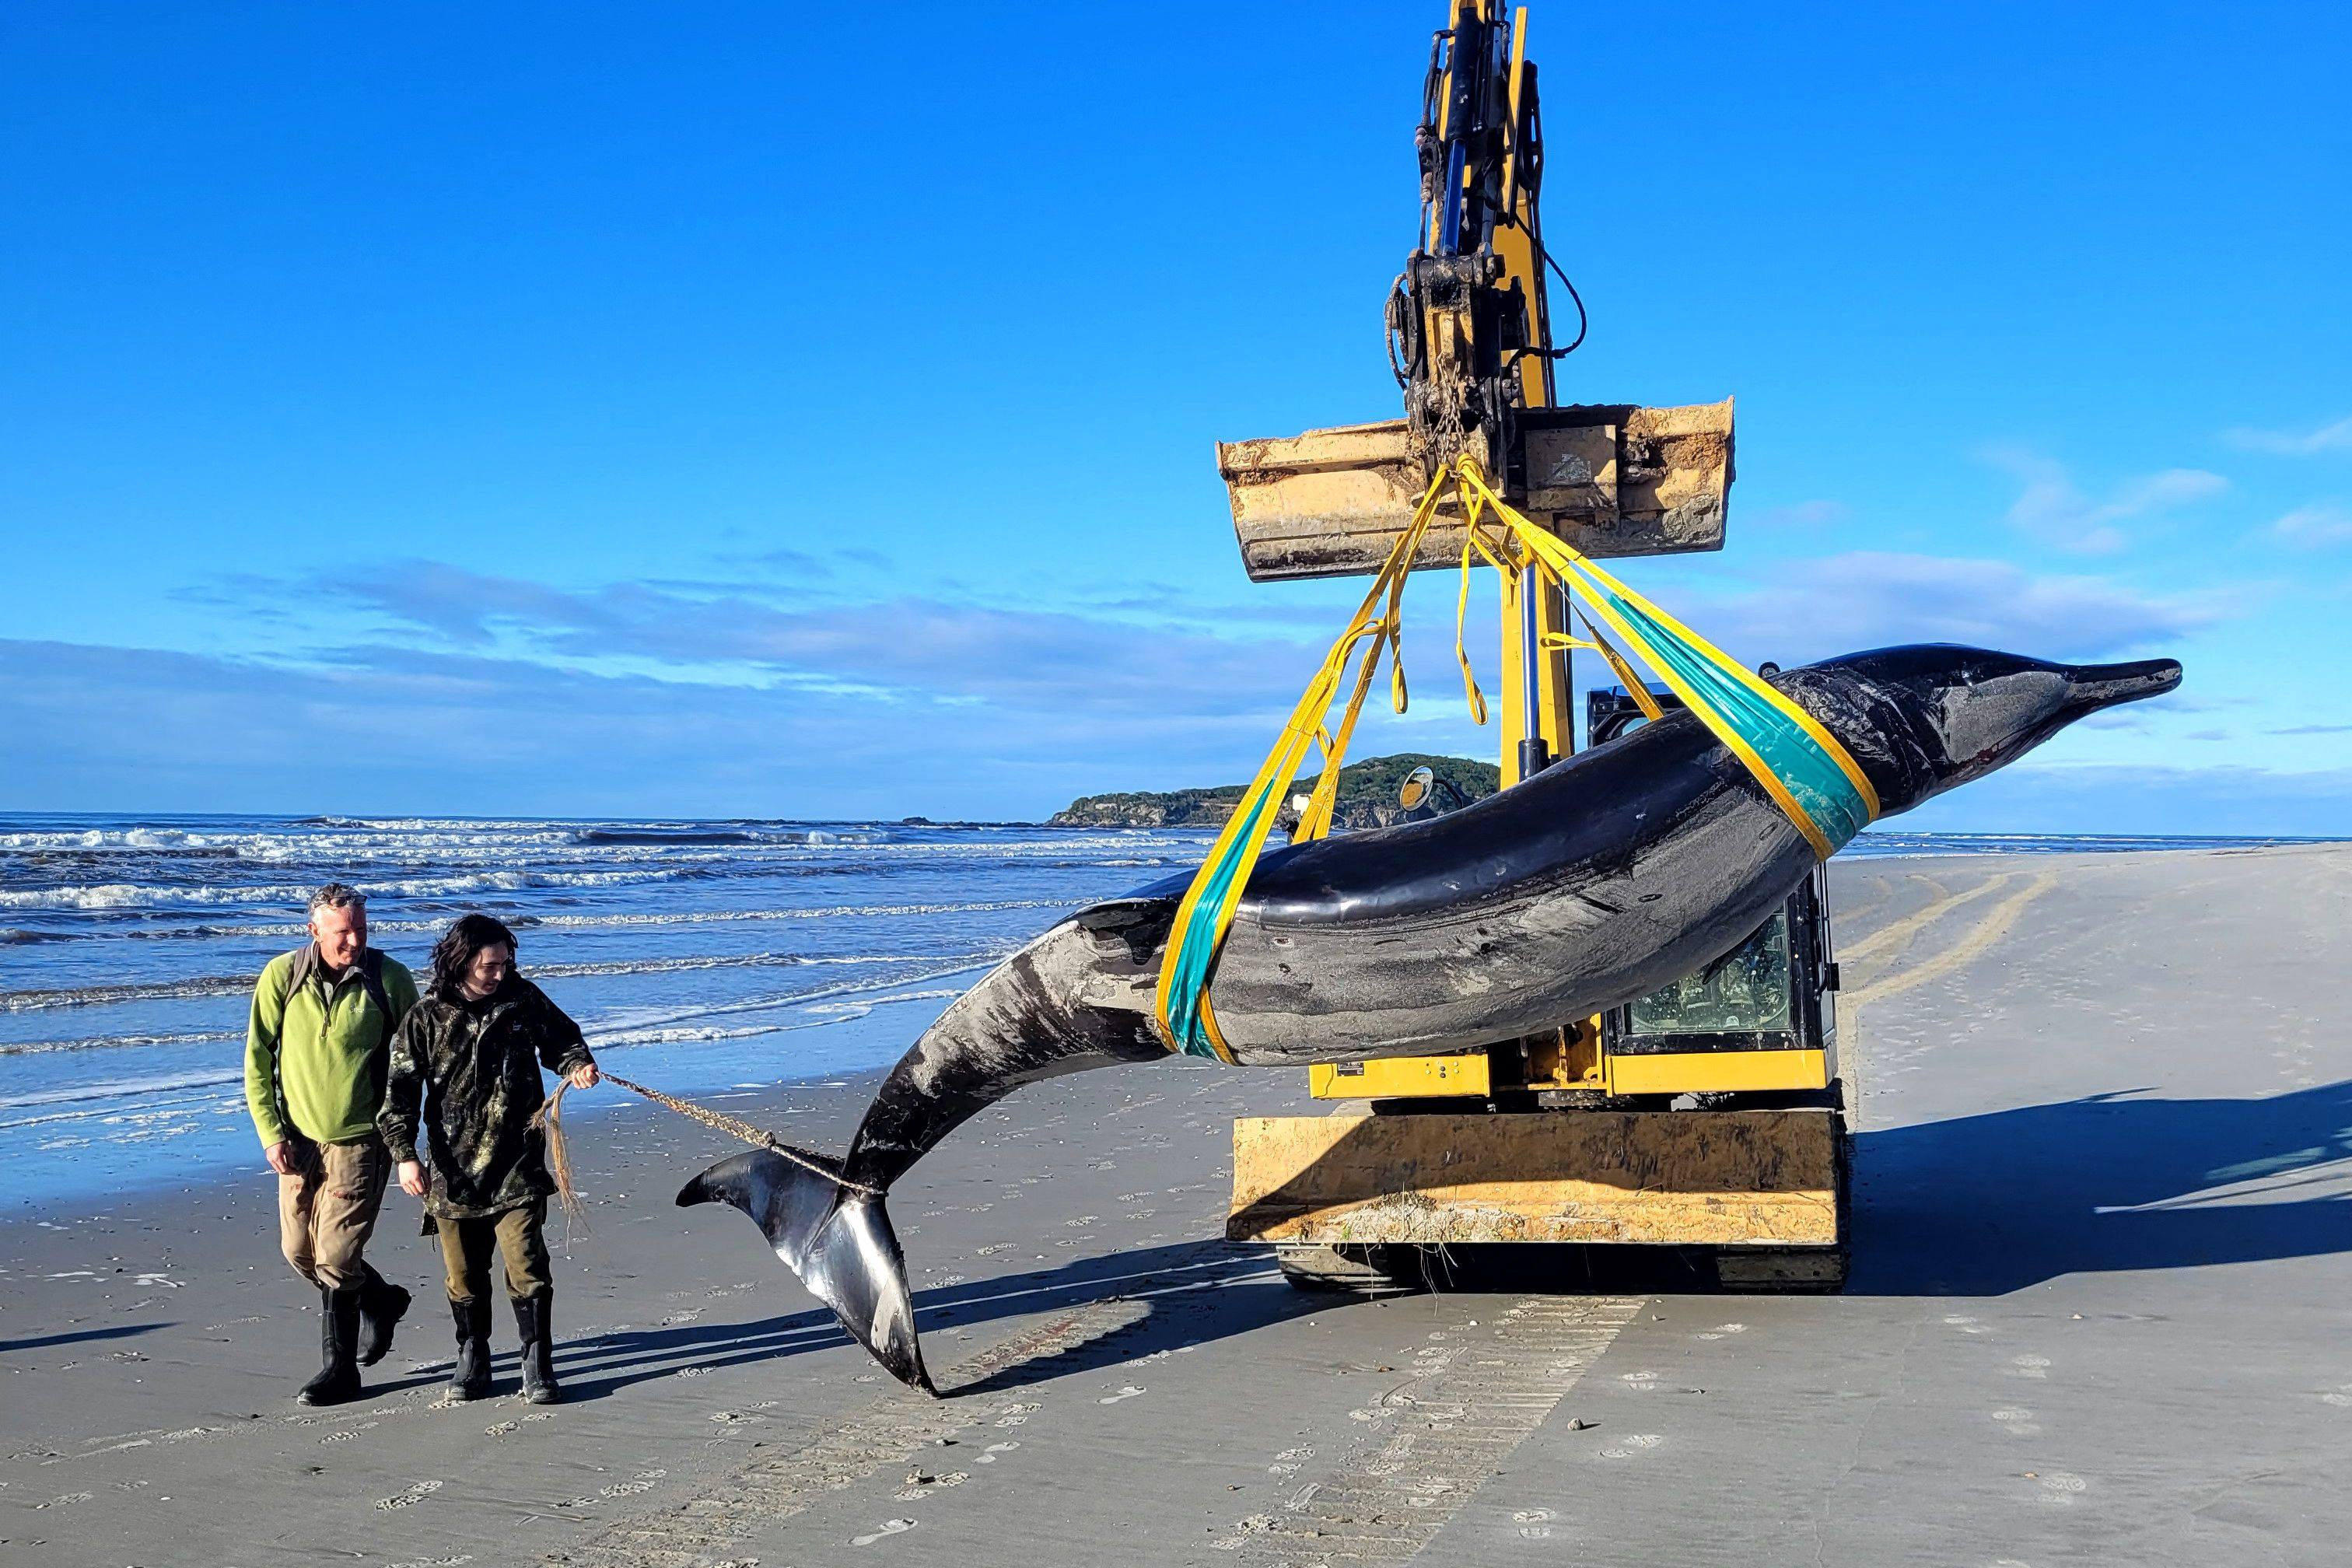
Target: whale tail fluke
(837, 1240)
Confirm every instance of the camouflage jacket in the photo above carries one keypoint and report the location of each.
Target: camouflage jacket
(475, 1069)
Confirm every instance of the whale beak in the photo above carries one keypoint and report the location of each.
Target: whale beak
(2090, 687)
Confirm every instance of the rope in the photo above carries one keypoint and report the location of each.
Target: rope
(549, 1119)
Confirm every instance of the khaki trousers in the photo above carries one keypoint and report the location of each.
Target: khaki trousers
(465, 1252)
(327, 1209)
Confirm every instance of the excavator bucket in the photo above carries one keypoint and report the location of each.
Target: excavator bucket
(1609, 479)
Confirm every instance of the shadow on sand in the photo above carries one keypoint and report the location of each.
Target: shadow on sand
(1980, 1205)
(1189, 1294)
(1975, 1206)
(82, 1336)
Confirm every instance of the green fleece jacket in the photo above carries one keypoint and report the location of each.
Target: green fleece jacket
(315, 1060)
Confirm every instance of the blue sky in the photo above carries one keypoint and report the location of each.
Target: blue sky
(588, 409)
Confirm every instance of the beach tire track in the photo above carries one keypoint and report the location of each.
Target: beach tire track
(1437, 1437)
(1987, 932)
(1893, 938)
(724, 1513)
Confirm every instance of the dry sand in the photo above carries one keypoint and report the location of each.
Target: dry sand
(2097, 1315)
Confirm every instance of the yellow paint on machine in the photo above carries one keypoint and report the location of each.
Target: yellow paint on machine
(1699, 1178)
(1399, 1076)
(1711, 1073)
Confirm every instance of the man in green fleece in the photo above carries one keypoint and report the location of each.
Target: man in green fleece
(316, 1052)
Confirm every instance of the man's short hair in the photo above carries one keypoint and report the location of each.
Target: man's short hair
(338, 896)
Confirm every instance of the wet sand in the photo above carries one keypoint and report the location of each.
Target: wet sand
(2097, 1315)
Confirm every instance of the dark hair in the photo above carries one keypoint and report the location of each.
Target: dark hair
(454, 953)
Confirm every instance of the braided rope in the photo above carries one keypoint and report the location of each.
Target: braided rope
(550, 1117)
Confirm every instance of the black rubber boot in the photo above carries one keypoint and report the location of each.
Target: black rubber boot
(381, 1304)
(538, 1349)
(470, 1378)
(338, 1342)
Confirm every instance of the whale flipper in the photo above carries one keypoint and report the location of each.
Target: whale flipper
(838, 1241)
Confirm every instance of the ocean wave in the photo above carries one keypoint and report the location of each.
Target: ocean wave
(101, 1042)
(212, 931)
(649, 837)
(659, 1017)
(107, 896)
(120, 1089)
(126, 990)
(598, 968)
(207, 985)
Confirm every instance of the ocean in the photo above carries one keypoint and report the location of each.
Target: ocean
(701, 957)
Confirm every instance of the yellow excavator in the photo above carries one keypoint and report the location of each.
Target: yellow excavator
(1707, 1116)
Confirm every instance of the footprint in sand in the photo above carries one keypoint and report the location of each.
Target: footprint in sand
(890, 1526)
(502, 1428)
(1127, 1391)
(989, 1455)
(410, 1498)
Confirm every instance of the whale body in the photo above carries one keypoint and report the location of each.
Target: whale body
(1581, 888)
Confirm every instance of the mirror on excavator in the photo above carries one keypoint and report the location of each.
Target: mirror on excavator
(1422, 782)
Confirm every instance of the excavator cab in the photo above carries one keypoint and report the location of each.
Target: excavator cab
(1707, 1116)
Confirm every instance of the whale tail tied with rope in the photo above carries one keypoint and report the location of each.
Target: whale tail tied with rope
(837, 1238)
(831, 1231)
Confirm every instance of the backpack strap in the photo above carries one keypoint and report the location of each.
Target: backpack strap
(371, 979)
(306, 964)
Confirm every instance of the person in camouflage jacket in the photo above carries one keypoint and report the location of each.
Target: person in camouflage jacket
(466, 1061)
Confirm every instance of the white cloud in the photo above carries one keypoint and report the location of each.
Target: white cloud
(1863, 598)
(2312, 526)
(2331, 437)
(393, 730)
(2053, 509)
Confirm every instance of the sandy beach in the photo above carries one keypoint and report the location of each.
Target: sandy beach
(2097, 1315)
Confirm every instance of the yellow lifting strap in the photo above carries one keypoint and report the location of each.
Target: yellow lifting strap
(1802, 766)
(1182, 1005)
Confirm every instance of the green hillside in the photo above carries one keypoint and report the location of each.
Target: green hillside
(1368, 796)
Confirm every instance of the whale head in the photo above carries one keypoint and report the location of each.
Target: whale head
(1924, 718)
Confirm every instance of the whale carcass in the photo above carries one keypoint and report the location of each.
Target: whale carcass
(1583, 888)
